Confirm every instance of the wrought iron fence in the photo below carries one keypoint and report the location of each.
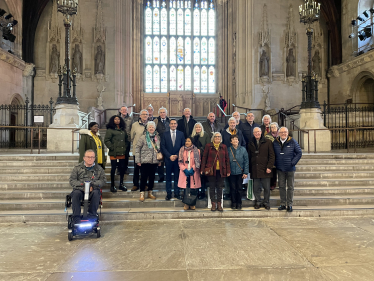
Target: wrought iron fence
(24, 115)
(350, 115)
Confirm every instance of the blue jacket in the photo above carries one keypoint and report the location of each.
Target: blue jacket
(241, 157)
(286, 155)
(247, 130)
(167, 147)
(226, 137)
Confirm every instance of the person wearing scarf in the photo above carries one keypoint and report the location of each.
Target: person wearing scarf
(189, 165)
(146, 158)
(272, 135)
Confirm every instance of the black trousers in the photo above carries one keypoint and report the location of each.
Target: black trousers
(215, 187)
(273, 180)
(121, 167)
(135, 179)
(78, 195)
(235, 188)
(148, 171)
(161, 171)
(127, 153)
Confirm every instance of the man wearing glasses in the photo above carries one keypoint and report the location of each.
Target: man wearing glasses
(86, 171)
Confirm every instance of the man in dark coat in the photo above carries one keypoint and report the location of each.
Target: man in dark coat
(162, 125)
(287, 154)
(261, 161)
(123, 113)
(211, 125)
(186, 124)
(248, 126)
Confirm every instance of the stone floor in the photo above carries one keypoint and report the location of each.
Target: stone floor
(202, 249)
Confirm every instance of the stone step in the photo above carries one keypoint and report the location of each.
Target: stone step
(363, 182)
(39, 157)
(122, 214)
(161, 192)
(333, 175)
(110, 203)
(57, 163)
(334, 168)
(306, 161)
(338, 156)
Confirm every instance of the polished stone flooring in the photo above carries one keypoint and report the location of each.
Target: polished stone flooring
(339, 248)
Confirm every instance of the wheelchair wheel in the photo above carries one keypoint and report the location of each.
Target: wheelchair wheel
(70, 222)
(70, 236)
(98, 233)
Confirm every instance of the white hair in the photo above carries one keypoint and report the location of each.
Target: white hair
(143, 110)
(284, 128)
(214, 134)
(151, 123)
(162, 108)
(266, 115)
(274, 123)
(194, 130)
(187, 108)
(236, 112)
(257, 128)
(150, 106)
(231, 118)
(211, 113)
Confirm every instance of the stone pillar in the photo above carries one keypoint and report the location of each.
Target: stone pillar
(66, 119)
(310, 118)
(137, 48)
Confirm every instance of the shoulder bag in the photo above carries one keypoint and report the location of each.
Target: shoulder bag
(236, 160)
(159, 155)
(209, 171)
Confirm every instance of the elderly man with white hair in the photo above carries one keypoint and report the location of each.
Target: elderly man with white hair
(137, 130)
(186, 124)
(236, 115)
(211, 125)
(150, 110)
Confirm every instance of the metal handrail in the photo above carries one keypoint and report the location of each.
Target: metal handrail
(220, 108)
(247, 109)
(84, 117)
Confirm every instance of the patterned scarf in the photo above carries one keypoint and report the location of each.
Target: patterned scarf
(151, 138)
(196, 155)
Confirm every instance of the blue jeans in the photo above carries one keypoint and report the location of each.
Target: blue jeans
(172, 167)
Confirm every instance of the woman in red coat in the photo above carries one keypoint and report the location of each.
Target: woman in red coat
(216, 158)
(189, 165)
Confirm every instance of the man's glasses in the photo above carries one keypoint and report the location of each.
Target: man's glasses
(90, 157)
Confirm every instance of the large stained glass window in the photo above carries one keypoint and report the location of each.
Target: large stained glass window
(180, 46)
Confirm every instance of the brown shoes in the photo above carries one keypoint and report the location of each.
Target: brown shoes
(186, 207)
(192, 207)
(135, 188)
(141, 196)
(213, 209)
(150, 195)
(219, 207)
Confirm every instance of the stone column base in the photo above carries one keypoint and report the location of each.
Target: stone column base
(60, 140)
(310, 118)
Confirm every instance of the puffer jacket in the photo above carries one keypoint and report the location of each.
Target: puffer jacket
(80, 174)
(87, 142)
(116, 140)
(144, 154)
(286, 155)
(241, 157)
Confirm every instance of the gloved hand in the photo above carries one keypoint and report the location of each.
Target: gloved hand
(186, 172)
(191, 172)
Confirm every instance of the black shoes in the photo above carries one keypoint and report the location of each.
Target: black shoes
(122, 187)
(233, 206)
(282, 207)
(289, 208)
(267, 207)
(168, 197)
(226, 197)
(257, 206)
(238, 206)
(201, 195)
(178, 197)
(161, 180)
(113, 189)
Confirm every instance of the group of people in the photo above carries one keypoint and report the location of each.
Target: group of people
(195, 155)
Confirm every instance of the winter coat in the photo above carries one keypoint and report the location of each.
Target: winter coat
(195, 181)
(223, 158)
(128, 124)
(241, 156)
(137, 130)
(161, 128)
(263, 130)
(80, 174)
(286, 155)
(226, 137)
(202, 142)
(247, 130)
(144, 154)
(208, 129)
(181, 126)
(262, 160)
(116, 140)
(87, 142)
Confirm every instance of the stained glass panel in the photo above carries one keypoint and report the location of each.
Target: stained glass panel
(187, 51)
(148, 79)
(156, 21)
(156, 50)
(164, 79)
(196, 79)
(212, 53)
(180, 55)
(180, 78)
(173, 78)
(187, 21)
(204, 51)
(164, 21)
(173, 50)
(204, 23)
(204, 80)
(196, 51)
(212, 22)
(196, 22)
(212, 83)
(173, 22)
(148, 50)
(187, 78)
(148, 21)
(156, 79)
(164, 50)
(180, 22)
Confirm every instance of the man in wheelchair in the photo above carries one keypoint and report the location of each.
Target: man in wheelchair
(83, 172)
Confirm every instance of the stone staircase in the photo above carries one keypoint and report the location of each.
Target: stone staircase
(33, 188)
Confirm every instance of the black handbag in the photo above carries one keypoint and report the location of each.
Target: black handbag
(188, 198)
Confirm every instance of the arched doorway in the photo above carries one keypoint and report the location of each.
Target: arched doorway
(16, 114)
(363, 88)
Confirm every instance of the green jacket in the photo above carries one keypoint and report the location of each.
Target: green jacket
(87, 142)
(80, 174)
(116, 140)
(202, 142)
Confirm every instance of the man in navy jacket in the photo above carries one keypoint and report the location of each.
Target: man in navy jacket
(287, 154)
(171, 143)
(248, 126)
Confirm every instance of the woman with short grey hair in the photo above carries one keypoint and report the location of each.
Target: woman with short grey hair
(265, 127)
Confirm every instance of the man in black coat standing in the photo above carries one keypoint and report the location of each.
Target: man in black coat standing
(248, 126)
(162, 125)
(186, 124)
(211, 125)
